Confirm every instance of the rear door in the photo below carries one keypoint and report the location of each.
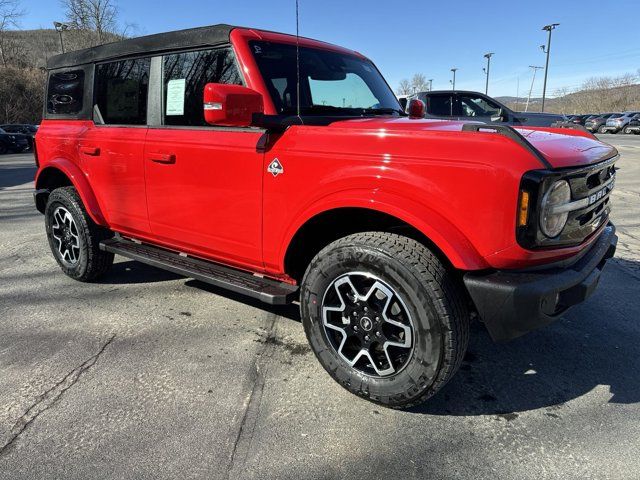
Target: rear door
(204, 183)
(112, 150)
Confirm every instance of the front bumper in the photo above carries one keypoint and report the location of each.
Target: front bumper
(512, 303)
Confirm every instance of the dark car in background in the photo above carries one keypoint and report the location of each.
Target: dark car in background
(617, 123)
(13, 142)
(599, 123)
(633, 127)
(580, 119)
(463, 105)
(29, 131)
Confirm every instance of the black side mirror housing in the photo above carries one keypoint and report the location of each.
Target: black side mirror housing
(501, 116)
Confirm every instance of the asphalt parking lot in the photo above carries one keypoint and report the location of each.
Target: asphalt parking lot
(149, 375)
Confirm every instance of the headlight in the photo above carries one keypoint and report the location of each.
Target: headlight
(559, 194)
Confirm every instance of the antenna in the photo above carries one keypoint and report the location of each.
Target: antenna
(298, 60)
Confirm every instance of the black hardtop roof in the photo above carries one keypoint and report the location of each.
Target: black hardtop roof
(465, 92)
(157, 43)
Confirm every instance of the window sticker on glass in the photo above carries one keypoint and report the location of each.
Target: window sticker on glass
(175, 96)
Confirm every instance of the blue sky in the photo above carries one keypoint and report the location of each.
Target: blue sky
(427, 36)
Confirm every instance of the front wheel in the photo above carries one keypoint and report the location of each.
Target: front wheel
(602, 130)
(74, 238)
(384, 317)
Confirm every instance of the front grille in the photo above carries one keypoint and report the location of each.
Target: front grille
(594, 183)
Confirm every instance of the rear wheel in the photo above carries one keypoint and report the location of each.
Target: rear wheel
(74, 237)
(628, 131)
(384, 317)
(3, 149)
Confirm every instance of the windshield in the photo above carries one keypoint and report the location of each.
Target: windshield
(330, 83)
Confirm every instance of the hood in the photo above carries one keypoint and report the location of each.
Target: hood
(569, 150)
(561, 148)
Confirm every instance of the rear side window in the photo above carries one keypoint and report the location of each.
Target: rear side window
(65, 92)
(121, 90)
(184, 78)
(440, 105)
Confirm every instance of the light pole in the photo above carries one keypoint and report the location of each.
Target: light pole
(487, 70)
(549, 28)
(535, 69)
(61, 27)
(453, 82)
(431, 84)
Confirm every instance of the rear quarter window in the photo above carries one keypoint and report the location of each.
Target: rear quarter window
(65, 92)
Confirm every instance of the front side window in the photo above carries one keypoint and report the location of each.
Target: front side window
(121, 90)
(184, 78)
(331, 83)
(65, 92)
(474, 106)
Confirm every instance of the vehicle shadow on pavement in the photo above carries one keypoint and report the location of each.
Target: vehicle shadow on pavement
(131, 272)
(595, 344)
(11, 176)
(290, 312)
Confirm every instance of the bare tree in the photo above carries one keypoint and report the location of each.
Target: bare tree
(419, 83)
(10, 14)
(404, 88)
(100, 17)
(21, 94)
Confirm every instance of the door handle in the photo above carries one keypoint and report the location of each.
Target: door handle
(90, 151)
(164, 158)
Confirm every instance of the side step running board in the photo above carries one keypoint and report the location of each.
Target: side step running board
(264, 289)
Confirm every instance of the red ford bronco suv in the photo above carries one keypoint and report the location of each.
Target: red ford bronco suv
(285, 169)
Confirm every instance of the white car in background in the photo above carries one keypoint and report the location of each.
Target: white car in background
(616, 123)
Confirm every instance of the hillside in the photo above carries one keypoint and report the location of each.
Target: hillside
(589, 100)
(34, 47)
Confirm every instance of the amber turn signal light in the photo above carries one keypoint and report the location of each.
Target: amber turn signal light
(523, 210)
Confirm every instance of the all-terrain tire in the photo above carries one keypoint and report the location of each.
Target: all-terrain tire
(89, 261)
(434, 301)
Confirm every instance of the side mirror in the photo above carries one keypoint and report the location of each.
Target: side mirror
(501, 116)
(231, 105)
(403, 103)
(416, 109)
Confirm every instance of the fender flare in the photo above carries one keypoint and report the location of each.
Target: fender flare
(79, 181)
(444, 234)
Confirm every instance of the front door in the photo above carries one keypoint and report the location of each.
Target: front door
(203, 183)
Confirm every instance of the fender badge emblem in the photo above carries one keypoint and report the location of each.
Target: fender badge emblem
(275, 168)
